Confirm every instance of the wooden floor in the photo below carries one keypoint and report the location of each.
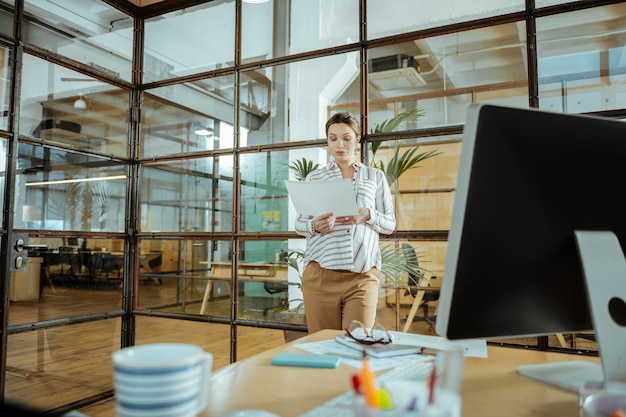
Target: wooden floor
(59, 366)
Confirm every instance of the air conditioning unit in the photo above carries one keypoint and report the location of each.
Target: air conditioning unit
(392, 62)
(394, 72)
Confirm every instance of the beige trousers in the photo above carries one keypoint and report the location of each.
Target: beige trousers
(332, 299)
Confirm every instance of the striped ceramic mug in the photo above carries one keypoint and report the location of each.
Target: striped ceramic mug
(161, 379)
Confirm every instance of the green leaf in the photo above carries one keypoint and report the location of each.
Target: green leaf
(302, 168)
(396, 267)
(399, 164)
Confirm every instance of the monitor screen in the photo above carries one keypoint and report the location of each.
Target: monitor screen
(527, 180)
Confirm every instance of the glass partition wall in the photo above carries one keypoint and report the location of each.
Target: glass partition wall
(145, 154)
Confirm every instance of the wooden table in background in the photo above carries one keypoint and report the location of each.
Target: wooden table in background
(246, 272)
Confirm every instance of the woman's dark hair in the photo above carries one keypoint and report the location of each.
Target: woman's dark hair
(346, 118)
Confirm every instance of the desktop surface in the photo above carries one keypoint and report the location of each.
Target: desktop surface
(490, 387)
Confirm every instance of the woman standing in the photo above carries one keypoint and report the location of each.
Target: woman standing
(342, 258)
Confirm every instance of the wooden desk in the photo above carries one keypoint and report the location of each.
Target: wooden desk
(490, 387)
(246, 272)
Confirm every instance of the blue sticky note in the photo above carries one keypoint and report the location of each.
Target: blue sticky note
(306, 360)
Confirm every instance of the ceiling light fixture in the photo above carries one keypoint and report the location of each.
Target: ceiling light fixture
(204, 128)
(80, 104)
(73, 180)
(204, 131)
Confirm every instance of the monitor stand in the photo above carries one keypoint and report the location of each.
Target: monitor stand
(567, 375)
(604, 268)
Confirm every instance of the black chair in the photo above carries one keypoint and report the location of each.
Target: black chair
(154, 261)
(84, 265)
(415, 286)
(71, 266)
(276, 287)
(104, 265)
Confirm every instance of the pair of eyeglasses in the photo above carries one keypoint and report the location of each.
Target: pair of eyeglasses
(368, 336)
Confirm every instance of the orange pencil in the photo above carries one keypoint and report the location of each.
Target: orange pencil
(368, 383)
(431, 384)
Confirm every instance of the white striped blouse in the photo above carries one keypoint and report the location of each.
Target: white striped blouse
(351, 247)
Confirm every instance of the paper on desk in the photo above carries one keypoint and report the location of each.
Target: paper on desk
(472, 348)
(317, 197)
(352, 357)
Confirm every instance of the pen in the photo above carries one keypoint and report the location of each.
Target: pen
(368, 382)
(431, 384)
(359, 406)
(356, 384)
(412, 405)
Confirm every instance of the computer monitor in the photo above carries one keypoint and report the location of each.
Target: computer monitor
(528, 181)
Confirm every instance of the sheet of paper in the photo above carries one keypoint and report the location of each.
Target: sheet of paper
(471, 348)
(353, 358)
(317, 197)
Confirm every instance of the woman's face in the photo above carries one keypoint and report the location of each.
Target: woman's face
(342, 142)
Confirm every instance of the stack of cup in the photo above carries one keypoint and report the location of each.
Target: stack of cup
(162, 379)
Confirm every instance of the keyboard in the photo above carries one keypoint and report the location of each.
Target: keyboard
(342, 405)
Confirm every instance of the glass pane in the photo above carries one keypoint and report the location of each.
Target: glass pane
(189, 117)
(269, 281)
(291, 102)
(264, 201)
(176, 272)
(5, 93)
(281, 27)
(188, 195)
(64, 106)
(441, 75)
(3, 171)
(62, 190)
(265, 204)
(91, 32)
(69, 363)
(67, 276)
(190, 41)
(426, 191)
(6, 17)
(194, 276)
(398, 290)
(545, 3)
(581, 60)
(386, 18)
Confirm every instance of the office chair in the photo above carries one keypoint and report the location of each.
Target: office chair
(276, 288)
(155, 260)
(415, 286)
(71, 266)
(104, 265)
